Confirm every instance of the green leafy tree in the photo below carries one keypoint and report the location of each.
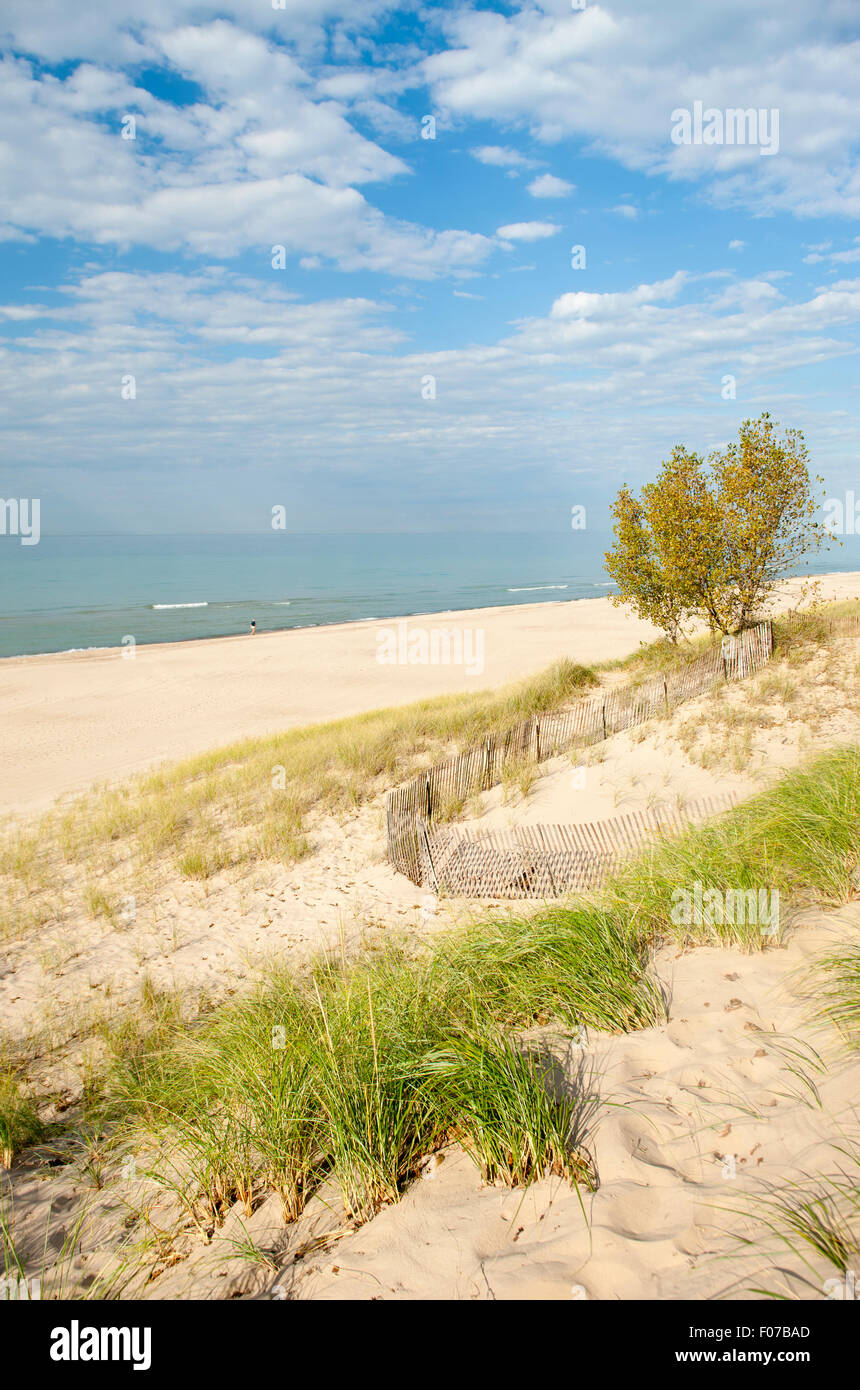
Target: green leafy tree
(711, 541)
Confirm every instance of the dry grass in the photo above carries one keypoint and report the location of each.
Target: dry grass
(396, 1053)
(211, 819)
(248, 802)
(518, 777)
(810, 682)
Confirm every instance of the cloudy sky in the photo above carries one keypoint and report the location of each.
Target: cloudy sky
(337, 256)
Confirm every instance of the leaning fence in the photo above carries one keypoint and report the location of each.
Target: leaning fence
(588, 721)
(544, 861)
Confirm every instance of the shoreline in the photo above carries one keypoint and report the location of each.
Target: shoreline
(304, 627)
(195, 642)
(222, 637)
(78, 718)
(345, 623)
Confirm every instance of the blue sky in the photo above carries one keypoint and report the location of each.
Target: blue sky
(408, 258)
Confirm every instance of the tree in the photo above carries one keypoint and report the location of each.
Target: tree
(637, 569)
(712, 541)
(768, 511)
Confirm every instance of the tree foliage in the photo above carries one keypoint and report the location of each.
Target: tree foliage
(711, 540)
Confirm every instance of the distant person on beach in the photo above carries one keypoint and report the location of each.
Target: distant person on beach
(253, 626)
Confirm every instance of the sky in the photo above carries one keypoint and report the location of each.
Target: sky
(335, 268)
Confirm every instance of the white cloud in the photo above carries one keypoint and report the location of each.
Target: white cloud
(823, 253)
(548, 186)
(119, 31)
(736, 245)
(527, 231)
(612, 76)
(260, 165)
(626, 210)
(747, 295)
(501, 157)
(280, 139)
(639, 369)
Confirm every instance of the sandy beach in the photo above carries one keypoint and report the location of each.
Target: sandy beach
(738, 1089)
(73, 719)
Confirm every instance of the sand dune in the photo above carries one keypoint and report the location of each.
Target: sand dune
(737, 1095)
(705, 1112)
(208, 936)
(684, 1121)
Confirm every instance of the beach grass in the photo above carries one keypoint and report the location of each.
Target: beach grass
(357, 1068)
(801, 836)
(501, 1106)
(20, 1124)
(354, 1070)
(817, 1220)
(837, 991)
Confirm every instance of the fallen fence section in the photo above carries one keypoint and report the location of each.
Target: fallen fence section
(544, 861)
(445, 788)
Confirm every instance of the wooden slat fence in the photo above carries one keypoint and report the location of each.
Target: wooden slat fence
(847, 625)
(543, 861)
(452, 782)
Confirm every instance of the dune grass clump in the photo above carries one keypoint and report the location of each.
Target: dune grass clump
(816, 1219)
(357, 1070)
(20, 1124)
(203, 861)
(377, 1115)
(546, 691)
(500, 1106)
(838, 991)
(579, 964)
(801, 837)
(518, 775)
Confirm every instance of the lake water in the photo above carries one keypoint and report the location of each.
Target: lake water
(76, 592)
